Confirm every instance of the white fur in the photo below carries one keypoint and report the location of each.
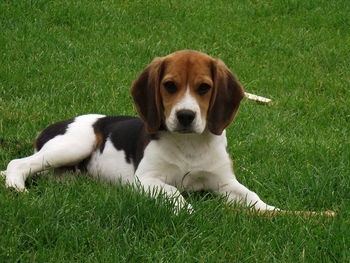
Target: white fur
(68, 149)
(193, 162)
(173, 163)
(188, 102)
(110, 165)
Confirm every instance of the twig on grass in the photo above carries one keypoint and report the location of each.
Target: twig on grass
(257, 98)
(305, 214)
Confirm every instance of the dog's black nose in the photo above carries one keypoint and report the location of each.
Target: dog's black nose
(185, 117)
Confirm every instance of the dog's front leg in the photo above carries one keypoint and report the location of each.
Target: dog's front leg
(155, 186)
(236, 192)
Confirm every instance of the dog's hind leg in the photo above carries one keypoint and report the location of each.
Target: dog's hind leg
(67, 149)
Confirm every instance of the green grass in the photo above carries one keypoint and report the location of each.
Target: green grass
(63, 58)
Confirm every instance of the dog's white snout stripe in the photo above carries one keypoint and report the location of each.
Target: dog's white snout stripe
(190, 104)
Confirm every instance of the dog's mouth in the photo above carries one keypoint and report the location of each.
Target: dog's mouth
(179, 128)
(184, 130)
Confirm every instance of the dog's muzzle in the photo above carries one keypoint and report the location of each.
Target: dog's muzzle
(185, 119)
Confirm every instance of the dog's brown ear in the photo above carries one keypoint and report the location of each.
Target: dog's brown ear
(226, 97)
(146, 95)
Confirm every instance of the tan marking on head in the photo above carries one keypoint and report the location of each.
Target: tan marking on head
(203, 100)
(188, 70)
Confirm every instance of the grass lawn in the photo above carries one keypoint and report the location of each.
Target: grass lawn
(62, 58)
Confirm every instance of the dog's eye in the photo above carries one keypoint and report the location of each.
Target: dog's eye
(203, 88)
(170, 87)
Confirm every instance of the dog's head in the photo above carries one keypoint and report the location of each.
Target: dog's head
(187, 92)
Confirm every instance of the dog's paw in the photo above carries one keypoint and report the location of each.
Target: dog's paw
(264, 207)
(187, 208)
(15, 177)
(15, 182)
(271, 208)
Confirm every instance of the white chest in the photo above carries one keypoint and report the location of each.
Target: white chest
(185, 161)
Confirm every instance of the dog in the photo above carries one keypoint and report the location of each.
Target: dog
(185, 101)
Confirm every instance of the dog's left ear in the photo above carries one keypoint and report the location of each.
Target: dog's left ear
(146, 95)
(226, 97)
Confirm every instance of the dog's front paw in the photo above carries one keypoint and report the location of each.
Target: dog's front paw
(182, 206)
(189, 209)
(271, 208)
(265, 207)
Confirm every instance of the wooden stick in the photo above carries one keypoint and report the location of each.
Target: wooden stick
(257, 98)
(306, 214)
(273, 213)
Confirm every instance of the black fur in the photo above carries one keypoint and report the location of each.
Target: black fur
(126, 133)
(51, 132)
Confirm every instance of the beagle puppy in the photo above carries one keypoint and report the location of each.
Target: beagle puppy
(185, 101)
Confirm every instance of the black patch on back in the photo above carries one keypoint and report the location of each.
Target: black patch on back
(51, 132)
(126, 133)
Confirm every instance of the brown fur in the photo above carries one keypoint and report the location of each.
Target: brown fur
(187, 69)
(99, 140)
